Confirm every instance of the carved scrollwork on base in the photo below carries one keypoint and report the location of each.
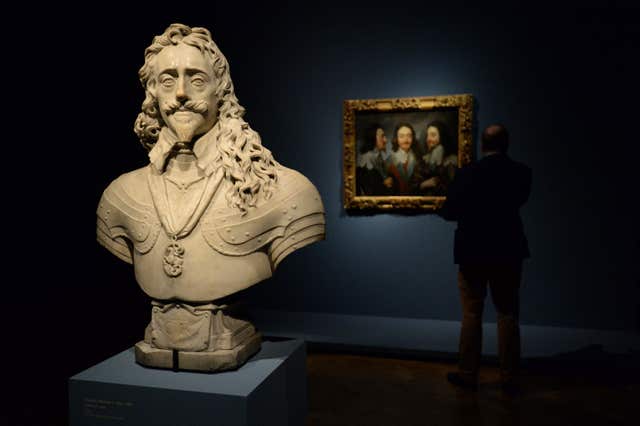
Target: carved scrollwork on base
(464, 105)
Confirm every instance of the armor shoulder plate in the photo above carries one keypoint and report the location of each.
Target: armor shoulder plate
(125, 220)
(293, 216)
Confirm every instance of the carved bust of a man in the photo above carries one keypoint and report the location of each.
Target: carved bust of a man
(211, 214)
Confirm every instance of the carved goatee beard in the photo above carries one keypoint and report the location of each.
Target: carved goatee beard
(185, 135)
(185, 130)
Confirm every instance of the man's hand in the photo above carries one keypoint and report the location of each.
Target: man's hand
(388, 182)
(429, 183)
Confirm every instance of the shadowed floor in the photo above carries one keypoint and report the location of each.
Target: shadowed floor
(354, 386)
(352, 389)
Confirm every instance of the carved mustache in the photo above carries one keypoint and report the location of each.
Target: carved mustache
(199, 107)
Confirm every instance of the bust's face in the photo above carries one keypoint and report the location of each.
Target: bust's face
(184, 86)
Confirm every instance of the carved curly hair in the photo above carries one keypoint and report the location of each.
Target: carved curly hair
(248, 165)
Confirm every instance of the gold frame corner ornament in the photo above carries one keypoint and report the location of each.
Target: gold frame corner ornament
(462, 102)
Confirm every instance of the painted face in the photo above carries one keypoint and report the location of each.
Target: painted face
(405, 138)
(381, 140)
(433, 137)
(185, 88)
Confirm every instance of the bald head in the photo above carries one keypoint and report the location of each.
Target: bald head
(495, 138)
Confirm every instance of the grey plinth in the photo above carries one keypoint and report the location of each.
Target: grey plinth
(270, 389)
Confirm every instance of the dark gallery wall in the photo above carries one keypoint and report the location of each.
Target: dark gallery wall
(564, 81)
(565, 85)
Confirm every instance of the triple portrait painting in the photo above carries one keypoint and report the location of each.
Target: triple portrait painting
(403, 152)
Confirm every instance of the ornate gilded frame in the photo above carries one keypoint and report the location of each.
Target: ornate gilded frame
(464, 105)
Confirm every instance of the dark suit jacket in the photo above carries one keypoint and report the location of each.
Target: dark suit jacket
(485, 199)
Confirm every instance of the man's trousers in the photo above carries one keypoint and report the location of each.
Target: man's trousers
(503, 279)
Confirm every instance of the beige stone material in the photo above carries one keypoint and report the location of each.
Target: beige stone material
(205, 361)
(211, 214)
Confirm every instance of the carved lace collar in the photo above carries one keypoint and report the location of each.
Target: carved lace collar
(205, 150)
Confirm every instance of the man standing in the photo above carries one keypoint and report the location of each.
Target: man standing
(484, 199)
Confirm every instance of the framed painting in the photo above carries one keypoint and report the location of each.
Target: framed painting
(402, 153)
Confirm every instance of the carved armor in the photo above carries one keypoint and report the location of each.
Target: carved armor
(225, 252)
(217, 252)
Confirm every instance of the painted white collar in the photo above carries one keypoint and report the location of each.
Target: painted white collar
(402, 156)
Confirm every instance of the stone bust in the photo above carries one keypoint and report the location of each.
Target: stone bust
(211, 214)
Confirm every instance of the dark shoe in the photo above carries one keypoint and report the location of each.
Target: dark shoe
(459, 380)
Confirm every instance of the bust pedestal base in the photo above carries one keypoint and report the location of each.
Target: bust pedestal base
(210, 361)
(269, 389)
(181, 336)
